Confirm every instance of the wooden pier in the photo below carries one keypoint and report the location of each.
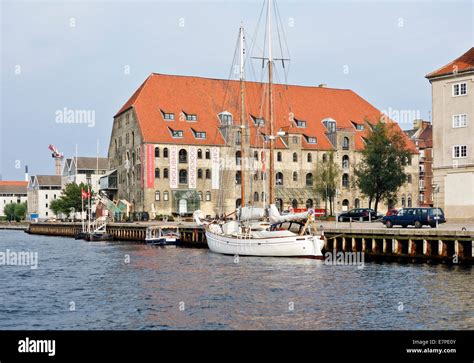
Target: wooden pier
(380, 244)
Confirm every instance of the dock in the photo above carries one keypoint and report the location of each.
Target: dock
(446, 245)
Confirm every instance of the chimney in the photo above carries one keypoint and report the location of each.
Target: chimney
(322, 85)
(26, 173)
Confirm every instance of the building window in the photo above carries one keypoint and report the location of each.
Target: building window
(208, 154)
(165, 152)
(309, 179)
(258, 121)
(345, 180)
(199, 173)
(295, 176)
(167, 116)
(190, 117)
(279, 158)
(311, 140)
(460, 89)
(294, 204)
(208, 196)
(459, 121)
(200, 196)
(46, 204)
(157, 195)
(330, 125)
(310, 157)
(404, 204)
(226, 118)
(309, 203)
(46, 196)
(295, 140)
(176, 133)
(183, 176)
(208, 173)
(325, 158)
(238, 158)
(127, 138)
(409, 204)
(255, 197)
(300, 123)
(357, 203)
(183, 156)
(157, 152)
(199, 134)
(166, 196)
(409, 178)
(165, 173)
(157, 173)
(295, 157)
(238, 177)
(279, 178)
(345, 162)
(345, 143)
(255, 155)
(460, 151)
(199, 154)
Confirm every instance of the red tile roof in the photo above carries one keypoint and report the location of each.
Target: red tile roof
(13, 187)
(207, 97)
(13, 182)
(462, 64)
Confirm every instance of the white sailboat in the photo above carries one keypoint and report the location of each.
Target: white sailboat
(263, 231)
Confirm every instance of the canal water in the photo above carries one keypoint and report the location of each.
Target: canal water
(105, 285)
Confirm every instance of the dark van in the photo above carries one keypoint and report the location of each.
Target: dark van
(417, 217)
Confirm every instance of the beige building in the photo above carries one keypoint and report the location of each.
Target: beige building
(167, 149)
(12, 192)
(453, 136)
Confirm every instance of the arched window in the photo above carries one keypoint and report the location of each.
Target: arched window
(345, 162)
(255, 197)
(199, 173)
(295, 176)
(183, 176)
(208, 196)
(255, 176)
(357, 203)
(200, 196)
(325, 158)
(404, 204)
(238, 158)
(183, 156)
(345, 204)
(157, 152)
(166, 196)
(116, 146)
(295, 157)
(157, 173)
(133, 157)
(238, 203)
(238, 177)
(133, 139)
(199, 154)
(409, 203)
(165, 152)
(309, 203)
(309, 179)
(255, 155)
(263, 197)
(294, 203)
(165, 173)
(409, 178)
(208, 173)
(157, 195)
(279, 178)
(208, 154)
(279, 204)
(310, 157)
(279, 158)
(345, 143)
(345, 180)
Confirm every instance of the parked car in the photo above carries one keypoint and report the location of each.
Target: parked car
(417, 217)
(392, 212)
(358, 214)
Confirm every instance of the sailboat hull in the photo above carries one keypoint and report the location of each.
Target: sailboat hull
(295, 246)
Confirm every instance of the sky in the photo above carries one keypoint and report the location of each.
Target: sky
(88, 58)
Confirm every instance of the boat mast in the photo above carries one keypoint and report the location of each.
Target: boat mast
(243, 126)
(270, 111)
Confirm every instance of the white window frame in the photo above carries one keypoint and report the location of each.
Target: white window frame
(458, 149)
(459, 88)
(459, 118)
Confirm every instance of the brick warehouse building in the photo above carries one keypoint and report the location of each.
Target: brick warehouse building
(167, 140)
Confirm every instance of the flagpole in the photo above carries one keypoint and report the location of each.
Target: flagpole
(82, 209)
(89, 196)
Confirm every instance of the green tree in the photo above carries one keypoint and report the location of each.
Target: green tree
(326, 181)
(71, 197)
(15, 211)
(381, 173)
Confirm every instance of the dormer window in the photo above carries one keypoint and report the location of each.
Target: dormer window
(265, 137)
(300, 123)
(176, 133)
(358, 127)
(167, 116)
(311, 139)
(330, 124)
(190, 117)
(199, 134)
(225, 118)
(258, 121)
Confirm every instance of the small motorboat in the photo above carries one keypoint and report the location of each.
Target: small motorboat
(162, 235)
